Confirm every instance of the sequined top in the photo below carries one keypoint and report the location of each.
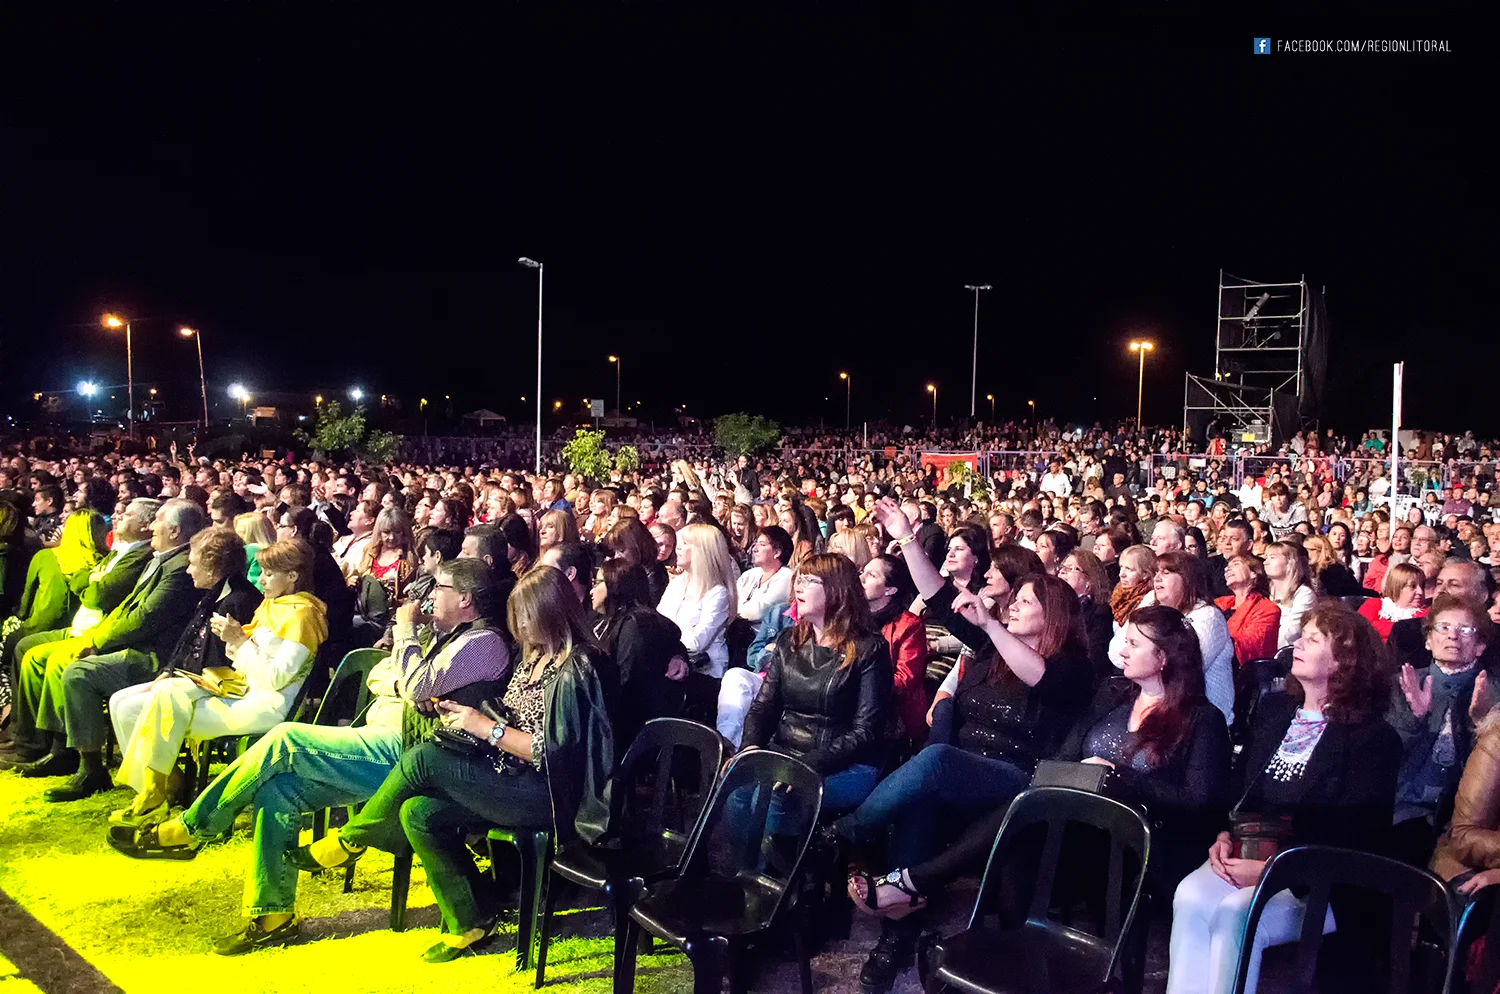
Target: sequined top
(1112, 739)
(525, 701)
(1302, 737)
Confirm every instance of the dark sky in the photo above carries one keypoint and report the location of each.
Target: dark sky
(741, 208)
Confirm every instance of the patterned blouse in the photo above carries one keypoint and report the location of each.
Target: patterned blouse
(525, 701)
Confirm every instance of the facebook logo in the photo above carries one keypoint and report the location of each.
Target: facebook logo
(1262, 46)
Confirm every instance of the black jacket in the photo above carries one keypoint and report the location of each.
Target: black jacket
(933, 542)
(1349, 787)
(579, 704)
(198, 646)
(642, 643)
(813, 706)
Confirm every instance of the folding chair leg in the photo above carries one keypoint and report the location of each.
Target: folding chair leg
(710, 959)
(400, 884)
(804, 961)
(533, 866)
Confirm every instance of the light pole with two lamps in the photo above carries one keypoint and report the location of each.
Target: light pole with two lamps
(1140, 387)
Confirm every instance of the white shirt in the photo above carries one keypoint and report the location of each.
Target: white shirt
(87, 617)
(1056, 484)
(703, 621)
(1292, 615)
(756, 598)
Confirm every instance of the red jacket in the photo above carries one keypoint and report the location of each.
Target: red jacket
(1254, 627)
(908, 641)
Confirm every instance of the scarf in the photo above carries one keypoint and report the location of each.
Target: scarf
(1126, 599)
(1391, 611)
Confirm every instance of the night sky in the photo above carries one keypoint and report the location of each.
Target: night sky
(739, 207)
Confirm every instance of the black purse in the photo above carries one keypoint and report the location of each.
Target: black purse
(1078, 776)
(462, 743)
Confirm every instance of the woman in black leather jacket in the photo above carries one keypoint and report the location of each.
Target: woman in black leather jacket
(546, 765)
(828, 688)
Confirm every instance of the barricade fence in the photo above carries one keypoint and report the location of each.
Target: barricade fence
(1416, 478)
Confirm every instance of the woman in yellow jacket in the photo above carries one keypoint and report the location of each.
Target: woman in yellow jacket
(271, 659)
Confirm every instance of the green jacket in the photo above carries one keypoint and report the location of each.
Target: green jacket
(106, 594)
(48, 601)
(152, 615)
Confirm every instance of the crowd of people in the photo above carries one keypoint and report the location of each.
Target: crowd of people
(923, 643)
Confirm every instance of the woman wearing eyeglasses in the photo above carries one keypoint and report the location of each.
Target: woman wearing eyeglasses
(1432, 716)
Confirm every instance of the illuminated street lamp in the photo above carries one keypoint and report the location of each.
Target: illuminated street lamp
(991, 398)
(618, 366)
(1032, 405)
(932, 389)
(239, 393)
(1142, 348)
(87, 389)
(114, 321)
(202, 383)
(848, 396)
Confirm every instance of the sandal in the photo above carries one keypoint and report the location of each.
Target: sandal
(302, 857)
(870, 904)
(447, 952)
(125, 818)
(145, 845)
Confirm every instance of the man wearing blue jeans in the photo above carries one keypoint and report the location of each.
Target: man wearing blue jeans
(298, 768)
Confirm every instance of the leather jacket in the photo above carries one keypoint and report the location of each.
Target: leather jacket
(1472, 841)
(580, 744)
(812, 706)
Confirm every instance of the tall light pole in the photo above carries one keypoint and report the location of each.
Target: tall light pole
(1032, 404)
(115, 321)
(1140, 387)
(932, 389)
(974, 376)
(533, 264)
(848, 397)
(239, 393)
(619, 367)
(991, 398)
(202, 383)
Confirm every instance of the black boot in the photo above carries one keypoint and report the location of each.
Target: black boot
(61, 762)
(891, 955)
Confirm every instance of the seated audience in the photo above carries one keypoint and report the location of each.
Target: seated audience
(1254, 619)
(646, 646)
(768, 582)
(1291, 588)
(1085, 574)
(1401, 599)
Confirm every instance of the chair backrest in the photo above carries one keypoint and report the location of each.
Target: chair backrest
(1413, 894)
(653, 751)
(1479, 921)
(1052, 810)
(348, 692)
(746, 837)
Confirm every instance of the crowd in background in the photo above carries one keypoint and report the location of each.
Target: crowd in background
(926, 641)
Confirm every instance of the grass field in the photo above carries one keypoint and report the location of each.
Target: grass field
(147, 925)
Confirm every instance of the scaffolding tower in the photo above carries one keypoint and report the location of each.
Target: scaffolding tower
(1270, 357)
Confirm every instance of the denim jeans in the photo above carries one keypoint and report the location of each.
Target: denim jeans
(295, 768)
(941, 785)
(842, 791)
(431, 801)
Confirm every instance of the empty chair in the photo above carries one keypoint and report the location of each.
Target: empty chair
(650, 844)
(743, 860)
(1025, 949)
(1414, 895)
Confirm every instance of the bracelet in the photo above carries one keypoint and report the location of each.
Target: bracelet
(902, 543)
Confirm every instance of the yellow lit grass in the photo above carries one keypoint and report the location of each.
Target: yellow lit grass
(148, 925)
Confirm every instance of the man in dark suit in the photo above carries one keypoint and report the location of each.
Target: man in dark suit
(99, 591)
(1235, 539)
(69, 681)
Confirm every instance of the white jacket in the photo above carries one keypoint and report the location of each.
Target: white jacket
(704, 622)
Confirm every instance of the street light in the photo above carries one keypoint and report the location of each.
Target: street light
(239, 393)
(848, 396)
(356, 394)
(87, 389)
(202, 383)
(115, 321)
(318, 400)
(1032, 405)
(1142, 348)
(932, 389)
(974, 375)
(533, 264)
(618, 367)
(991, 398)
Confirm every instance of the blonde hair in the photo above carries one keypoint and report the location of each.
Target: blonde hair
(545, 616)
(563, 523)
(254, 528)
(850, 544)
(710, 564)
(1141, 557)
(289, 556)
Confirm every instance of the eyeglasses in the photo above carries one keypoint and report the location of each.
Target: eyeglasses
(1067, 568)
(1458, 631)
(808, 581)
(443, 586)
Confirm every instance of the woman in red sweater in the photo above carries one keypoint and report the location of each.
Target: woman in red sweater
(1254, 619)
(889, 589)
(1401, 597)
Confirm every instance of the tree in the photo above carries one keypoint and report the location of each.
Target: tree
(627, 459)
(742, 434)
(335, 433)
(586, 455)
(380, 447)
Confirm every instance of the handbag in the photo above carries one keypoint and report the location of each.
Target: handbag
(1078, 776)
(1253, 835)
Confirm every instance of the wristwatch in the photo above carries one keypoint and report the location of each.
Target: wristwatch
(498, 732)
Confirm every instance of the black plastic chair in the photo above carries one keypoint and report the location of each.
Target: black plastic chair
(1414, 895)
(535, 848)
(1028, 951)
(738, 876)
(650, 846)
(1478, 921)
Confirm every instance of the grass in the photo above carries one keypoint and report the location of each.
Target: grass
(148, 925)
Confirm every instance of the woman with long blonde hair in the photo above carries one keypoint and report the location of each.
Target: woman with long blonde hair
(701, 598)
(557, 527)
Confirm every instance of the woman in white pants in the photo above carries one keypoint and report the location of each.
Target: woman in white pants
(271, 658)
(1319, 754)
